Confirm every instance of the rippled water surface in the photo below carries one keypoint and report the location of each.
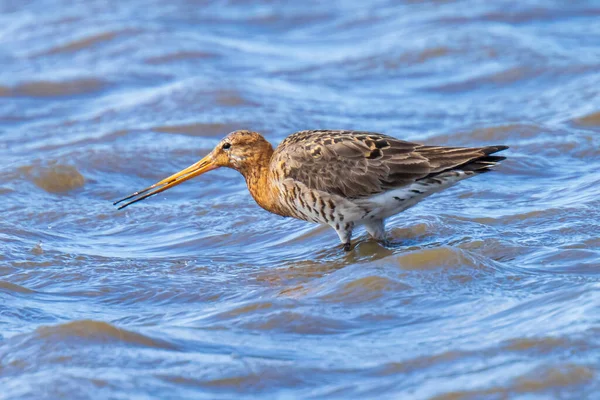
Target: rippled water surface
(491, 290)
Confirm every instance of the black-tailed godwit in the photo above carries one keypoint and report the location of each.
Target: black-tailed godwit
(336, 177)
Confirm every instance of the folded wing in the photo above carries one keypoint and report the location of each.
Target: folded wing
(357, 164)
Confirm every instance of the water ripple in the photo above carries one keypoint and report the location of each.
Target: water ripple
(487, 290)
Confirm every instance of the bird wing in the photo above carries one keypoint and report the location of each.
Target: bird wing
(357, 164)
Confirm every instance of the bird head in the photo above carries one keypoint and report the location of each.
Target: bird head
(241, 150)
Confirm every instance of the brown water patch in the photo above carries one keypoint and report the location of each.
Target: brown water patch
(414, 231)
(13, 287)
(249, 379)
(371, 249)
(502, 78)
(297, 291)
(295, 322)
(589, 120)
(591, 243)
(440, 257)
(365, 289)
(410, 58)
(179, 56)
(44, 89)
(264, 379)
(83, 43)
(421, 363)
(560, 376)
(232, 98)
(544, 379)
(245, 309)
(433, 52)
(541, 345)
(55, 178)
(98, 332)
(299, 272)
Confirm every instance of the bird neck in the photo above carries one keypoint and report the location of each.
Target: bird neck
(260, 185)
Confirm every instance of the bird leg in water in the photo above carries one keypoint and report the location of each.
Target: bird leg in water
(376, 229)
(344, 231)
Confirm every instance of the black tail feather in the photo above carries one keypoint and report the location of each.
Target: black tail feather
(484, 163)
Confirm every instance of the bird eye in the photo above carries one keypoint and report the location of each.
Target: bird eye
(226, 146)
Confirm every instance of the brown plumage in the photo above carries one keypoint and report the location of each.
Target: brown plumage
(356, 164)
(335, 177)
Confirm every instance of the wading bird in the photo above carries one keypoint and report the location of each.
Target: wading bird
(336, 177)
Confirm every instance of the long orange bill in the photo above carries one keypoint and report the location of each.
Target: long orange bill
(193, 170)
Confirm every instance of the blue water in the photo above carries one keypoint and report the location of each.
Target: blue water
(491, 291)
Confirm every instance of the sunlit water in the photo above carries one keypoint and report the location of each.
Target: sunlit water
(492, 289)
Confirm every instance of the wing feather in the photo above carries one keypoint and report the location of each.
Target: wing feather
(357, 164)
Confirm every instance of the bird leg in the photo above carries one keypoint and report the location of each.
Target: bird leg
(344, 231)
(376, 229)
